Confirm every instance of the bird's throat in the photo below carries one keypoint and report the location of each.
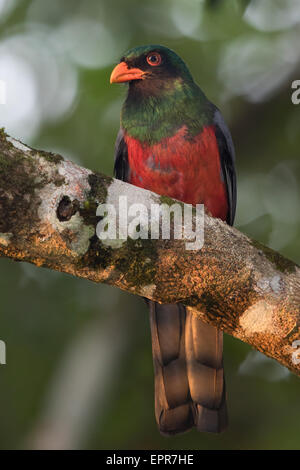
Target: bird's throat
(152, 112)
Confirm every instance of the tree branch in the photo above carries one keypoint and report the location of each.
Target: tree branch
(48, 217)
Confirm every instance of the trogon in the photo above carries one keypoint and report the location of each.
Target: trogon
(174, 141)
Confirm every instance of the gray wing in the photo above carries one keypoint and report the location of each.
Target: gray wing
(121, 167)
(227, 156)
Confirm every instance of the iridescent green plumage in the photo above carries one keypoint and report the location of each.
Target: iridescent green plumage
(157, 108)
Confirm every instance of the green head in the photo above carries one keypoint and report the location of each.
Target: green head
(162, 94)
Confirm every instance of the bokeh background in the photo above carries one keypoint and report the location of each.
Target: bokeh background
(79, 366)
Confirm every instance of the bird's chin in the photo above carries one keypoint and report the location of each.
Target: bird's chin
(136, 81)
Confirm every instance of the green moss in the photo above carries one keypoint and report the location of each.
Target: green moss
(282, 264)
(5, 163)
(11, 160)
(18, 179)
(169, 201)
(88, 212)
(97, 256)
(99, 185)
(55, 159)
(8, 162)
(50, 157)
(137, 261)
(98, 194)
(23, 171)
(4, 143)
(166, 200)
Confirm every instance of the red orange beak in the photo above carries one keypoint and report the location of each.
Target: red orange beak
(121, 73)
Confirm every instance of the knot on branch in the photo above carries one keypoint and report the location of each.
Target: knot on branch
(66, 209)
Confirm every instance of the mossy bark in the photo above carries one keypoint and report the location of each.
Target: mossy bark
(48, 217)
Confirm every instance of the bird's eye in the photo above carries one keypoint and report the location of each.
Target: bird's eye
(154, 58)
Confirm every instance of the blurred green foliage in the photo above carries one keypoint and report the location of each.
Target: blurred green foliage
(79, 365)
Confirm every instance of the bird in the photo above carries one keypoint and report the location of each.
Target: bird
(174, 141)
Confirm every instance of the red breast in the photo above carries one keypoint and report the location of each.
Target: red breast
(185, 169)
